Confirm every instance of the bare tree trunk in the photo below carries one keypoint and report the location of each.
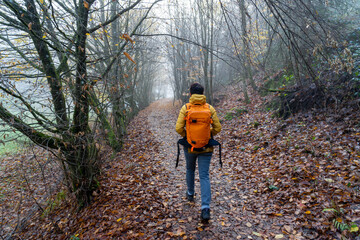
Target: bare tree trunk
(211, 46)
(204, 35)
(245, 39)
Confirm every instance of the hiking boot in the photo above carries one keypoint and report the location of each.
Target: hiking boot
(205, 214)
(189, 197)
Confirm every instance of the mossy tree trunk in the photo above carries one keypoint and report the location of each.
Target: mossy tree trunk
(73, 139)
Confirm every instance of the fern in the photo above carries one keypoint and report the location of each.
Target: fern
(340, 225)
(330, 209)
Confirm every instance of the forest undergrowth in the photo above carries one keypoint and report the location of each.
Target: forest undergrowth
(297, 178)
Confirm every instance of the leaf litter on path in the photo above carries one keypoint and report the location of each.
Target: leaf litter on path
(274, 184)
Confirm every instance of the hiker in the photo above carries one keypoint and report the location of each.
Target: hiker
(197, 99)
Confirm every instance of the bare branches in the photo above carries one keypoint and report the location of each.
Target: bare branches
(21, 53)
(120, 50)
(39, 138)
(116, 16)
(216, 53)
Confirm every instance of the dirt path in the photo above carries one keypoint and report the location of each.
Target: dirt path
(227, 198)
(242, 207)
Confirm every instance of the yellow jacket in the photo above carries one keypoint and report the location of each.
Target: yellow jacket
(180, 123)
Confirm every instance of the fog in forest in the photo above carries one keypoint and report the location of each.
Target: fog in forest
(75, 74)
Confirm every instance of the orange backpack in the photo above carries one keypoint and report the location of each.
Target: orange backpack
(198, 122)
(198, 133)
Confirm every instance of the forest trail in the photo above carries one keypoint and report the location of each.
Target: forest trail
(277, 178)
(275, 182)
(226, 213)
(142, 195)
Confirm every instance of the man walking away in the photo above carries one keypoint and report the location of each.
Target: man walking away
(203, 154)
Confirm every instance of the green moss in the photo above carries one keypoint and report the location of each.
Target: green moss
(229, 116)
(234, 112)
(240, 111)
(52, 204)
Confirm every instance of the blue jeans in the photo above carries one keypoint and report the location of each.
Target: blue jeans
(204, 165)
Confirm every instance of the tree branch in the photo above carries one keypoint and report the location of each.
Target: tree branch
(21, 54)
(191, 42)
(124, 44)
(37, 137)
(113, 18)
(33, 111)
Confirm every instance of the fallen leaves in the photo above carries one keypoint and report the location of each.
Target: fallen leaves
(257, 234)
(276, 181)
(290, 169)
(179, 233)
(25, 181)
